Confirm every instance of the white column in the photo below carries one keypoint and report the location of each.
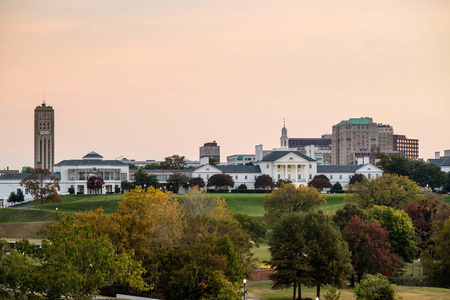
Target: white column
(285, 172)
(296, 172)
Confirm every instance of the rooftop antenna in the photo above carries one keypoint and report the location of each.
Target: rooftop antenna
(284, 122)
(43, 103)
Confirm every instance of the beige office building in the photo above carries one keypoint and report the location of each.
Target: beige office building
(44, 137)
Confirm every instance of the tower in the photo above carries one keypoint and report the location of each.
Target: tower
(284, 138)
(44, 137)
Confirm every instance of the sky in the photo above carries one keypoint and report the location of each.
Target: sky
(149, 79)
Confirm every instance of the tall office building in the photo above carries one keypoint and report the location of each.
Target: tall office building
(210, 151)
(407, 148)
(44, 137)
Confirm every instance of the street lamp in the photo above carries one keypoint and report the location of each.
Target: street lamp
(245, 281)
(56, 211)
(106, 194)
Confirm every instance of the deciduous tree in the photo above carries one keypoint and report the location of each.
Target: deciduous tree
(390, 190)
(357, 178)
(288, 199)
(43, 187)
(177, 181)
(337, 188)
(436, 260)
(96, 184)
(307, 249)
(320, 182)
(345, 214)
(370, 247)
(256, 230)
(143, 179)
(197, 181)
(220, 181)
(264, 182)
(401, 230)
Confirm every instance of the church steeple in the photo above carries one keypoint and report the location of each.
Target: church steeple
(284, 138)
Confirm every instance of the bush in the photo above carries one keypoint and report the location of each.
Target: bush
(332, 293)
(376, 287)
(117, 190)
(242, 187)
(71, 191)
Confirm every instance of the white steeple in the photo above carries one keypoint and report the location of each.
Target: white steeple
(284, 138)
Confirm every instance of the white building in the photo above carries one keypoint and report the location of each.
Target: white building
(75, 173)
(11, 183)
(442, 161)
(240, 174)
(343, 173)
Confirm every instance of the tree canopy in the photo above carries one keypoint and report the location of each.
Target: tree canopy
(264, 182)
(220, 181)
(197, 181)
(320, 182)
(174, 162)
(370, 247)
(143, 179)
(390, 190)
(401, 230)
(43, 187)
(95, 183)
(177, 181)
(289, 198)
(307, 249)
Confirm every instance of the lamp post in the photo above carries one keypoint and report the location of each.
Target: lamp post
(106, 194)
(245, 281)
(56, 212)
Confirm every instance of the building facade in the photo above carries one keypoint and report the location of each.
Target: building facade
(210, 151)
(406, 148)
(74, 173)
(442, 161)
(44, 137)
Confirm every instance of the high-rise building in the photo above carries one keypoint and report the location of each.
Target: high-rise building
(211, 151)
(44, 137)
(406, 148)
(321, 148)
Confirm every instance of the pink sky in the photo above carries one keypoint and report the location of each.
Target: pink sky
(148, 79)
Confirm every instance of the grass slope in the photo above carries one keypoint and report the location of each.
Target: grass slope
(263, 291)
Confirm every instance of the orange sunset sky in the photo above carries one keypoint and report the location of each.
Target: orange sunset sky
(148, 79)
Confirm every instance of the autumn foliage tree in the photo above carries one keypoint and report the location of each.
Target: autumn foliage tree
(43, 187)
(264, 182)
(357, 178)
(389, 190)
(289, 199)
(320, 182)
(95, 184)
(370, 247)
(220, 181)
(197, 181)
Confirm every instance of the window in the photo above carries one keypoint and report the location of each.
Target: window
(331, 176)
(310, 176)
(340, 176)
(236, 177)
(310, 166)
(278, 176)
(289, 166)
(267, 166)
(245, 176)
(299, 176)
(278, 166)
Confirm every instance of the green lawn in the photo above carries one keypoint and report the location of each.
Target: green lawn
(263, 291)
(14, 215)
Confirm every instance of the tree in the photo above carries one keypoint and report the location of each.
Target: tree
(177, 181)
(96, 184)
(143, 179)
(370, 247)
(288, 199)
(428, 174)
(43, 187)
(337, 188)
(264, 182)
(174, 162)
(281, 182)
(390, 190)
(401, 230)
(345, 214)
(242, 186)
(424, 212)
(126, 186)
(394, 164)
(307, 249)
(255, 229)
(357, 178)
(16, 198)
(320, 182)
(74, 262)
(212, 161)
(436, 260)
(376, 287)
(197, 181)
(220, 181)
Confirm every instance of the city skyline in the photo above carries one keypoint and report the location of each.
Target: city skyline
(146, 80)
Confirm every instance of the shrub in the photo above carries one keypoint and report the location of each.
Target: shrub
(332, 293)
(242, 187)
(71, 190)
(376, 287)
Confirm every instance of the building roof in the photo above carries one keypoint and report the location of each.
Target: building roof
(309, 141)
(441, 162)
(337, 168)
(21, 176)
(275, 155)
(165, 171)
(239, 169)
(357, 121)
(90, 162)
(92, 155)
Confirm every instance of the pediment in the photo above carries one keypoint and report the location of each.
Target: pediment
(291, 158)
(207, 169)
(369, 168)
